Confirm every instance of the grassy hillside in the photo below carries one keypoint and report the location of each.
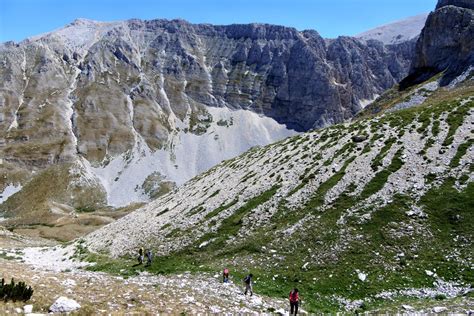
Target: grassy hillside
(352, 214)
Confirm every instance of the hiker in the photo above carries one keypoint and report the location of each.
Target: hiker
(149, 257)
(248, 284)
(225, 275)
(140, 256)
(294, 300)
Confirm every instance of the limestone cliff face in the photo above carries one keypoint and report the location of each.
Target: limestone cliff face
(100, 86)
(170, 99)
(446, 44)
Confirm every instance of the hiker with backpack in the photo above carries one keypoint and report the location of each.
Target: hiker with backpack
(248, 284)
(149, 257)
(225, 275)
(294, 301)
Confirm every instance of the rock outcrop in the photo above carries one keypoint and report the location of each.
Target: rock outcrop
(64, 305)
(446, 43)
(467, 4)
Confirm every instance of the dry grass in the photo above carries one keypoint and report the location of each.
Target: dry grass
(44, 207)
(34, 203)
(69, 227)
(93, 291)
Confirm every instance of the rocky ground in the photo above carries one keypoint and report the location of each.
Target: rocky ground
(53, 275)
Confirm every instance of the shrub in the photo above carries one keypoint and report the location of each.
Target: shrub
(15, 291)
(440, 297)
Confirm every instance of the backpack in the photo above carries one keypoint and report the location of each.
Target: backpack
(149, 254)
(293, 296)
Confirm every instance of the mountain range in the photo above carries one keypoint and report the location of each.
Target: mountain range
(142, 106)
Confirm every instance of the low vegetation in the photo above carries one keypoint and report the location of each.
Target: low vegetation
(15, 291)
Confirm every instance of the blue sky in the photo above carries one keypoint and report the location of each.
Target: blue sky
(23, 18)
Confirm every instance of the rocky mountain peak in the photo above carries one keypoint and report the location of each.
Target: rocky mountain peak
(84, 21)
(397, 32)
(256, 31)
(467, 4)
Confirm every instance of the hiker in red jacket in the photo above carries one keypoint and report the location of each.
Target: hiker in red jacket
(225, 275)
(294, 300)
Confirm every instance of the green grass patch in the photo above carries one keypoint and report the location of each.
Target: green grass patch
(214, 194)
(455, 119)
(174, 233)
(85, 209)
(430, 177)
(197, 209)
(304, 182)
(462, 149)
(318, 198)
(450, 218)
(4, 255)
(463, 179)
(232, 224)
(347, 147)
(435, 128)
(221, 208)
(377, 161)
(428, 144)
(380, 178)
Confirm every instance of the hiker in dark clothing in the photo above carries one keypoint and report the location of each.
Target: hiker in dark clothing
(140, 256)
(149, 257)
(248, 284)
(225, 275)
(294, 301)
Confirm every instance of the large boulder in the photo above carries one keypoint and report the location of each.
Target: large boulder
(64, 305)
